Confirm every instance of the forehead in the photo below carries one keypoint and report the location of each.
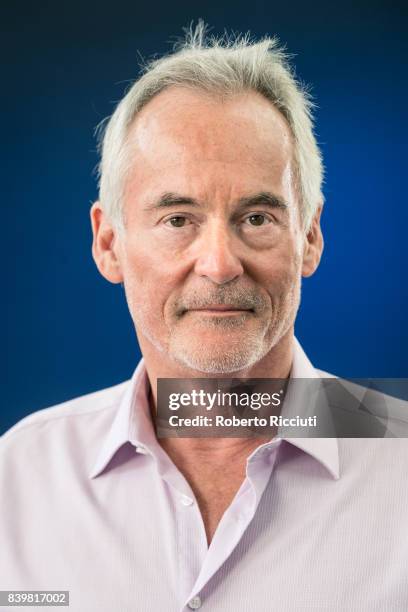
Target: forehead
(183, 132)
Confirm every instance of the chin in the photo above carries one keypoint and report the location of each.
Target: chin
(217, 361)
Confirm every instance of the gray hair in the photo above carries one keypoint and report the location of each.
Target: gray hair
(227, 65)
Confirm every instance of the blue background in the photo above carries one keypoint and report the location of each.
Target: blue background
(66, 330)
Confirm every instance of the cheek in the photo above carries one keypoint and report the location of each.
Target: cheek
(149, 282)
(280, 269)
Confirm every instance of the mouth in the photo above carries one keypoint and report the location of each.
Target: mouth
(221, 310)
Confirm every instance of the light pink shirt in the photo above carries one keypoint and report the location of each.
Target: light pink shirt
(90, 503)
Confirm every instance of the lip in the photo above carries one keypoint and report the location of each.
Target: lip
(220, 309)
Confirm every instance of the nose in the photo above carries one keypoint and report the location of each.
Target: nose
(217, 257)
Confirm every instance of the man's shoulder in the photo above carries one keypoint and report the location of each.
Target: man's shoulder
(324, 374)
(95, 405)
(373, 400)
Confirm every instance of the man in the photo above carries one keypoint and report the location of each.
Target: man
(209, 214)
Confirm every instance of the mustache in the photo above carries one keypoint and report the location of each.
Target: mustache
(236, 297)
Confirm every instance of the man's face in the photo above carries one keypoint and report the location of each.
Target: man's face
(213, 248)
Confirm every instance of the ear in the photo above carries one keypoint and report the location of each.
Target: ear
(104, 245)
(313, 246)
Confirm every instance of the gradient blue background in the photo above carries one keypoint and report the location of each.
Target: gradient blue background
(67, 331)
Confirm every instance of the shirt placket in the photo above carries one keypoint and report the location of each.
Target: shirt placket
(232, 525)
(190, 537)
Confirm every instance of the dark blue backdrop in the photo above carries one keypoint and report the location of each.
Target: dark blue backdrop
(66, 330)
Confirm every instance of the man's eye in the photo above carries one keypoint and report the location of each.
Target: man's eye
(177, 221)
(257, 220)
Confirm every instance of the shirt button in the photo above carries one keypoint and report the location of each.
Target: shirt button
(187, 501)
(194, 603)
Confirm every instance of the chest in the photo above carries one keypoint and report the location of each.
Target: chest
(310, 545)
(214, 496)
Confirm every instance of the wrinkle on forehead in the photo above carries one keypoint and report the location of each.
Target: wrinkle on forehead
(191, 125)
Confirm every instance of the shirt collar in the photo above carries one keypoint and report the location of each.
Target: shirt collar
(132, 423)
(324, 450)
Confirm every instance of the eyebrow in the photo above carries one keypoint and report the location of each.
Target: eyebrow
(168, 199)
(262, 198)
